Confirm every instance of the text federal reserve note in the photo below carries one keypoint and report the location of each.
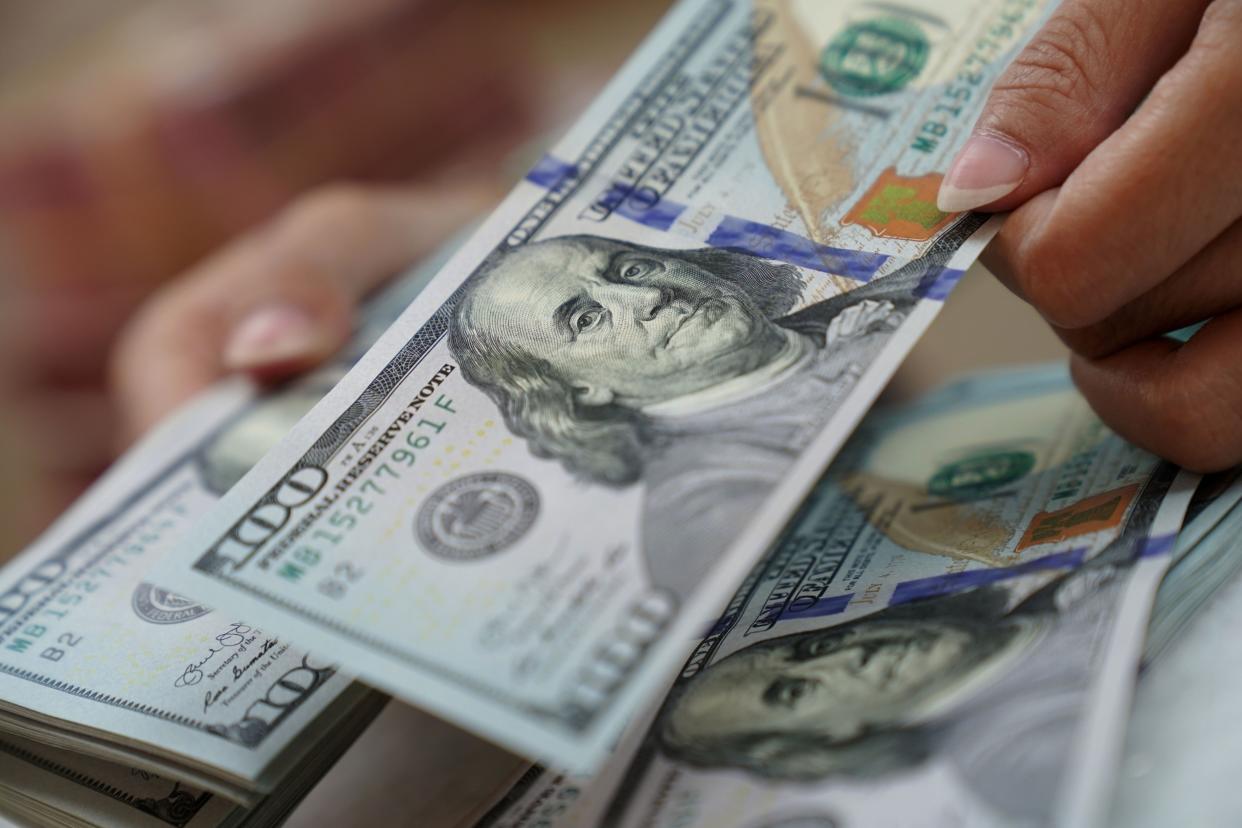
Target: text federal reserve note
(947, 635)
(520, 507)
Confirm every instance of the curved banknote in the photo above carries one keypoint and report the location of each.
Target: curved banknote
(947, 635)
(97, 659)
(1181, 763)
(518, 508)
(1204, 561)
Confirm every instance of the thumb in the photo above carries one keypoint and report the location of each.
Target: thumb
(1075, 83)
(282, 299)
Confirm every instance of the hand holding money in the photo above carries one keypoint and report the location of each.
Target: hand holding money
(282, 299)
(1113, 137)
(521, 508)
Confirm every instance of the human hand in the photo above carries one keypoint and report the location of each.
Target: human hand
(174, 127)
(1114, 138)
(282, 298)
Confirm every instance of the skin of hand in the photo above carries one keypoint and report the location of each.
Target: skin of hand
(282, 298)
(130, 157)
(1114, 139)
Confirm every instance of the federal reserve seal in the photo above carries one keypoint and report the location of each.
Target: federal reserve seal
(159, 606)
(977, 475)
(476, 515)
(875, 57)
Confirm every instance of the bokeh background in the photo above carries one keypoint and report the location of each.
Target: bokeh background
(136, 136)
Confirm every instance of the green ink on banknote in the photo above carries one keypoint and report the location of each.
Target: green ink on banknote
(897, 203)
(875, 57)
(979, 474)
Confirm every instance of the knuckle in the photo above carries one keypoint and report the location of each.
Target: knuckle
(1059, 71)
(1046, 276)
(150, 325)
(1092, 342)
(1133, 322)
(1198, 420)
(1215, 48)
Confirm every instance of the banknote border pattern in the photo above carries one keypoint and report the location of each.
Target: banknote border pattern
(171, 809)
(236, 733)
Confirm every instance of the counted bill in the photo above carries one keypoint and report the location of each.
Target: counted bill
(520, 506)
(947, 635)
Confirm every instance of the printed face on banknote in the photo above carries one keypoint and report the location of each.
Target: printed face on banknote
(619, 323)
(798, 706)
(589, 344)
(836, 682)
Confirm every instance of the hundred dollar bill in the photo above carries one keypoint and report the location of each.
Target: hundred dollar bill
(40, 785)
(946, 636)
(521, 504)
(96, 658)
(1205, 560)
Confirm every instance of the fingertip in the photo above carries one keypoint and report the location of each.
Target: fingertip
(276, 340)
(986, 169)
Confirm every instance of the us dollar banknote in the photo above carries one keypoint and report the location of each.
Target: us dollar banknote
(97, 659)
(1180, 758)
(520, 506)
(46, 786)
(40, 785)
(947, 635)
(1204, 561)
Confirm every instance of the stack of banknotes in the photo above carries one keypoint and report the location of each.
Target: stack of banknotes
(123, 703)
(567, 490)
(1204, 561)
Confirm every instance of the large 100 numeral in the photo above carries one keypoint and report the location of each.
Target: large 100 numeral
(270, 516)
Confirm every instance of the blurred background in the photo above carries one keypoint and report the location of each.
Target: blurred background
(136, 136)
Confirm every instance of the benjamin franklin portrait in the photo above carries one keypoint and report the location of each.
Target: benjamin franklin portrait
(992, 680)
(854, 699)
(686, 371)
(996, 695)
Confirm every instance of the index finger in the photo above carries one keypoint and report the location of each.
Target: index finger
(1146, 199)
(314, 263)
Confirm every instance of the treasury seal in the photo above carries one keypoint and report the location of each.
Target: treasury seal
(159, 606)
(476, 515)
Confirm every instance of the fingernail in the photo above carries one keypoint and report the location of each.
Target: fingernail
(986, 169)
(272, 335)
